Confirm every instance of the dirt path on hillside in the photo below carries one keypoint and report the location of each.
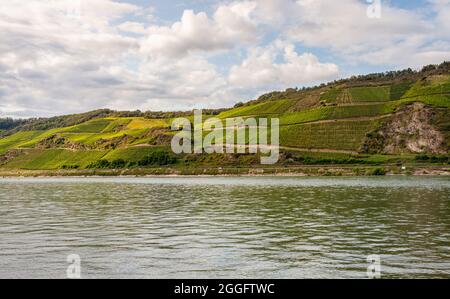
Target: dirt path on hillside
(323, 150)
(270, 147)
(363, 103)
(361, 118)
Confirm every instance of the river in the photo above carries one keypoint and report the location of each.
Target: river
(225, 227)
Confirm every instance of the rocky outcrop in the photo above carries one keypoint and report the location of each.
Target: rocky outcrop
(113, 143)
(9, 155)
(159, 136)
(57, 141)
(412, 129)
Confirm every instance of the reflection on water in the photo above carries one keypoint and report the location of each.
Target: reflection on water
(225, 227)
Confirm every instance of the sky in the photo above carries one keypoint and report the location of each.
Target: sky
(71, 56)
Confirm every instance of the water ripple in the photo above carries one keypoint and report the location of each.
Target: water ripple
(225, 227)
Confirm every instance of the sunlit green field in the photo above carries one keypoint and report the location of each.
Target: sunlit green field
(87, 133)
(370, 94)
(132, 154)
(17, 140)
(342, 112)
(345, 135)
(93, 126)
(331, 96)
(435, 86)
(272, 107)
(54, 159)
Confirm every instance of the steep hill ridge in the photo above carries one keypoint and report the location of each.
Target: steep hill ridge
(378, 118)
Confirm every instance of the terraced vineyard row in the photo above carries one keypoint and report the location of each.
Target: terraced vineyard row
(132, 154)
(334, 113)
(87, 133)
(366, 94)
(267, 108)
(340, 135)
(17, 139)
(54, 159)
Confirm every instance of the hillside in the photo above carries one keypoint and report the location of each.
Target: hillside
(394, 118)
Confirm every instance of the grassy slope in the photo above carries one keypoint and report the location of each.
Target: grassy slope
(54, 159)
(86, 133)
(90, 138)
(14, 141)
(345, 135)
(268, 108)
(142, 123)
(93, 126)
(132, 154)
(435, 93)
(342, 112)
(370, 94)
(331, 96)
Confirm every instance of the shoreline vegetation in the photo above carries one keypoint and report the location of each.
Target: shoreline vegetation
(304, 171)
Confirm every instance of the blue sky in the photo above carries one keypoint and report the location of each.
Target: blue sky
(69, 56)
(172, 11)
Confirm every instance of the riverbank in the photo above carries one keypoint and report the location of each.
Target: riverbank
(319, 171)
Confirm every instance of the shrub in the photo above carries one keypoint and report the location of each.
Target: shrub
(100, 164)
(115, 164)
(70, 166)
(118, 163)
(422, 158)
(131, 164)
(379, 171)
(238, 105)
(159, 158)
(439, 159)
(324, 161)
(432, 159)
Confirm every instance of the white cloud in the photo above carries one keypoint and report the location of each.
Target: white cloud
(60, 57)
(261, 68)
(230, 26)
(188, 82)
(344, 25)
(57, 62)
(133, 27)
(276, 13)
(442, 10)
(399, 38)
(55, 59)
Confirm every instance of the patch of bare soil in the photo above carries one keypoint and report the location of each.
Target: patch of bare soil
(308, 102)
(114, 143)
